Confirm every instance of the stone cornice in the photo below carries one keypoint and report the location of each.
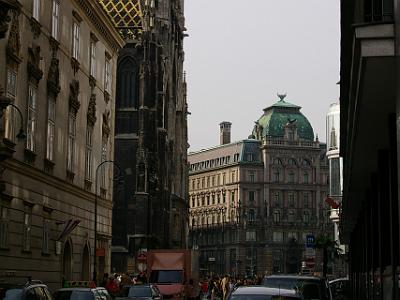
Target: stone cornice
(102, 22)
(29, 171)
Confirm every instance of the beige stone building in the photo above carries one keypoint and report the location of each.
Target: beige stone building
(253, 202)
(58, 65)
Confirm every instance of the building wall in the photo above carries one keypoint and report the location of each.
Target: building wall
(40, 194)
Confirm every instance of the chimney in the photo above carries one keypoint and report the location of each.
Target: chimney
(225, 132)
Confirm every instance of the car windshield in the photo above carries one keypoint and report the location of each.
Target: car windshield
(166, 276)
(10, 294)
(136, 291)
(309, 288)
(73, 295)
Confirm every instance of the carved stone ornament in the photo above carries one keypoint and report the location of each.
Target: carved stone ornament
(36, 27)
(34, 72)
(91, 114)
(53, 78)
(75, 65)
(92, 81)
(5, 7)
(74, 103)
(14, 44)
(106, 97)
(106, 124)
(54, 44)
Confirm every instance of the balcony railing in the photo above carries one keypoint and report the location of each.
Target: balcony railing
(280, 142)
(378, 10)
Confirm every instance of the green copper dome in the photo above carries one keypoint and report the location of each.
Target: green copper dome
(272, 122)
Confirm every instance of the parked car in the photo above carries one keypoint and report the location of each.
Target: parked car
(30, 290)
(142, 291)
(340, 288)
(263, 293)
(310, 287)
(82, 293)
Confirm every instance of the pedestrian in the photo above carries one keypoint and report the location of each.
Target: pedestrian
(225, 286)
(104, 280)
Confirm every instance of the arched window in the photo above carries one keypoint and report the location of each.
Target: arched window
(306, 162)
(292, 162)
(127, 84)
(193, 222)
(278, 161)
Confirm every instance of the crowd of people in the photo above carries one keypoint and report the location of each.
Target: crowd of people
(218, 287)
(210, 288)
(116, 282)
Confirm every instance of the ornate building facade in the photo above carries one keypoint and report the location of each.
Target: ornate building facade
(266, 193)
(151, 130)
(58, 68)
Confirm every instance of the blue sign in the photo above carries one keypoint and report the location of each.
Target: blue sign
(310, 241)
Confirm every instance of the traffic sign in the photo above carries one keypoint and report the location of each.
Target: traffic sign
(310, 241)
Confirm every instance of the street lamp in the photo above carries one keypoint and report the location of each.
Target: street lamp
(95, 214)
(21, 134)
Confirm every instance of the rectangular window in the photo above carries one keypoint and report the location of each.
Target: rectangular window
(250, 236)
(71, 141)
(45, 239)
(306, 200)
(89, 153)
(75, 40)
(292, 236)
(55, 19)
(251, 196)
(223, 178)
(251, 176)
(107, 75)
(305, 179)
(31, 124)
(26, 242)
(277, 236)
(232, 198)
(335, 188)
(276, 176)
(36, 9)
(277, 216)
(3, 227)
(233, 176)
(11, 92)
(291, 200)
(51, 117)
(276, 199)
(103, 158)
(93, 58)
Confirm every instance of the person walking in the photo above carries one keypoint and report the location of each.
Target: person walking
(225, 286)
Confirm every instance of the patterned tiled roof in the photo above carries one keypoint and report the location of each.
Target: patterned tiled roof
(277, 115)
(125, 14)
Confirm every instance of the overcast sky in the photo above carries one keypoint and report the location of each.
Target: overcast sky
(241, 53)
